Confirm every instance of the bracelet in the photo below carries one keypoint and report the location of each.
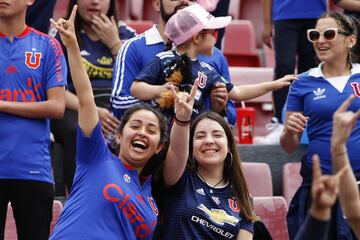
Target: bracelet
(181, 123)
(115, 45)
(339, 153)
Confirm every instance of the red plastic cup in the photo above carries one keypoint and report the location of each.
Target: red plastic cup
(246, 122)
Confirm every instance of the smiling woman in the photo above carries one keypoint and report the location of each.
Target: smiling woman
(311, 102)
(111, 196)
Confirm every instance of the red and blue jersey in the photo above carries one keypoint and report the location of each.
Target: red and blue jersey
(29, 65)
(107, 200)
(155, 74)
(318, 98)
(194, 210)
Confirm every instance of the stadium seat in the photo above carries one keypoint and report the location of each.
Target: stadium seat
(10, 226)
(262, 104)
(258, 178)
(60, 9)
(239, 44)
(123, 9)
(149, 13)
(136, 9)
(234, 9)
(140, 26)
(291, 180)
(272, 212)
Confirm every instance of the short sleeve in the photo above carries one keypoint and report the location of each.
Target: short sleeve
(247, 225)
(151, 73)
(294, 101)
(93, 149)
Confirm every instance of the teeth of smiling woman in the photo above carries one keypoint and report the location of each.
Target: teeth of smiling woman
(210, 151)
(139, 144)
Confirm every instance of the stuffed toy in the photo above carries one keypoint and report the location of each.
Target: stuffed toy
(178, 72)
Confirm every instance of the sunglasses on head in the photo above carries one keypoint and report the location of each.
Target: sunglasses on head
(329, 34)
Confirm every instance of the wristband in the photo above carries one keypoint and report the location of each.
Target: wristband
(181, 123)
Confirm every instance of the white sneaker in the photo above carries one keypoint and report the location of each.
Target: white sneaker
(272, 138)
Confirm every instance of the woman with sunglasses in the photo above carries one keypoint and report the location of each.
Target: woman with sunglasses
(311, 103)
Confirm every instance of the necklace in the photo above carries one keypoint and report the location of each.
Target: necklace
(206, 182)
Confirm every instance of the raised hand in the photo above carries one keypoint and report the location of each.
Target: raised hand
(343, 122)
(283, 82)
(66, 28)
(296, 123)
(324, 189)
(106, 29)
(184, 102)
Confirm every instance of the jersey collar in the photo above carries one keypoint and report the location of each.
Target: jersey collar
(26, 31)
(152, 36)
(317, 72)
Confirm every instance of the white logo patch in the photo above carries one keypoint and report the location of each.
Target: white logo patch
(200, 191)
(127, 178)
(319, 94)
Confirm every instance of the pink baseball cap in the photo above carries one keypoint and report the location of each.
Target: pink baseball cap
(191, 20)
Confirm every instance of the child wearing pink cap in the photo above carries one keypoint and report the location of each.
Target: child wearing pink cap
(192, 31)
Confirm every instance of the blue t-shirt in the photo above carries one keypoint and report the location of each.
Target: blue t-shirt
(135, 54)
(297, 9)
(154, 74)
(316, 98)
(194, 210)
(107, 200)
(29, 66)
(97, 58)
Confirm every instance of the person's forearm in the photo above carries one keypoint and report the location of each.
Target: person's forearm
(145, 91)
(36, 110)
(351, 5)
(72, 101)
(267, 12)
(245, 92)
(349, 190)
(289, 141)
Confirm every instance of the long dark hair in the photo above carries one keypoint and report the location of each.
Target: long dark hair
(156, 160)
(351, 26)
(232, 168)
(78, 21)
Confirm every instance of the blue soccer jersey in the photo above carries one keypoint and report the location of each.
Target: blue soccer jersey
(135, 54)
(30, 65)
(194, 210)
(154, 74)
(107, 200)
(318, 99)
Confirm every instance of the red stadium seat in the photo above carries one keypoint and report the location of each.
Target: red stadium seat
(262, 104)
(123, 9)
(234, 9)
(252, 10)
(136, 7)
(239, 44)
(10, 226)
(149, 12)
(272, 211)
(291, 180)
(258, 178)
(60, 9)
(140, 26)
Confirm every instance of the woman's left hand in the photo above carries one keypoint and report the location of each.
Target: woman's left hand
(106, 29)
(184, 102)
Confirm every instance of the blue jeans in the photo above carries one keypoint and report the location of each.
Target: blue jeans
(290, 42)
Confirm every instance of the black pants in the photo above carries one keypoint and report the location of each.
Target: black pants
(32, 203)
(221, 10)
(291, 44)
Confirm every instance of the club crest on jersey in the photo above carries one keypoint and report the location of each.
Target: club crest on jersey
(219, 216)
(127, 178)
(233, 205)
(153, 206)
(356, 89)
(202, 79)
(32, 59)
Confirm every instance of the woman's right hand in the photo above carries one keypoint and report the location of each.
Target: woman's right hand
(184, 102)
(296, 123)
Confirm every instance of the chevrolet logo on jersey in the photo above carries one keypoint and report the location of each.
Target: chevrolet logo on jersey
(219, 216)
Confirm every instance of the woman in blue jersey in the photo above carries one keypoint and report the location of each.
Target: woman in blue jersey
(192, 30)
(311, 102)
(208, 198)
(99, 38)
(111, 196)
